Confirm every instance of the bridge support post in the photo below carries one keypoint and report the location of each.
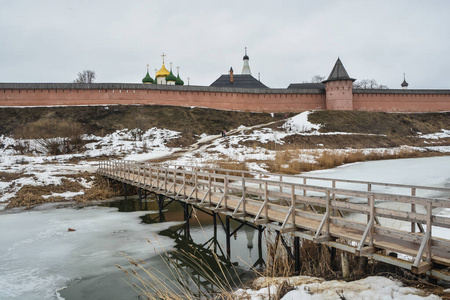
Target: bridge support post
(297, 255)
(125, 186)
(139, 190)
(145, 198)
(215, 231)
(160, 200)
(186, 218)
(228, 236)
(260, 253)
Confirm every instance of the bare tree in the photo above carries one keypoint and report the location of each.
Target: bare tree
(87, 76)
(317, 79)
(368, 84)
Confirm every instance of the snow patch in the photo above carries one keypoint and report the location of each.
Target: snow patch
(300, 123)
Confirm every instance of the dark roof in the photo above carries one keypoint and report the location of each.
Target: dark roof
(309, 85)
(239, 81)
(338, 73)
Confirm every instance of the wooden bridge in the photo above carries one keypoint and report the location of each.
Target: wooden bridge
(355, 219)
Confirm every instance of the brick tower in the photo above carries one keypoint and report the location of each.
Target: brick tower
(339, 88)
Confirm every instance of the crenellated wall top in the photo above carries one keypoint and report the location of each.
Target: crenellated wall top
(400, 91)
(136, 86)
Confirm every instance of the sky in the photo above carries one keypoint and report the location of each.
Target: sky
(287, 41)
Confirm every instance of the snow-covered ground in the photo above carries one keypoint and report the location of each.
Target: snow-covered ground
(310, 288)
(40, 256)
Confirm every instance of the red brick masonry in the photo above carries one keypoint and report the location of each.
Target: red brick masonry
(256, 100)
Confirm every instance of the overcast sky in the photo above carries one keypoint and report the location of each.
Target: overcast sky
(287, 41)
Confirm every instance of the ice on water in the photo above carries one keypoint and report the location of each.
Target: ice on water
(39, 255)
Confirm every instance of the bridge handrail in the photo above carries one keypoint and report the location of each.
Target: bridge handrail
(437, 202)
(283, 176)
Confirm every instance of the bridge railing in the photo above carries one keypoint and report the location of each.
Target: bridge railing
(412, 190)
(404, 223)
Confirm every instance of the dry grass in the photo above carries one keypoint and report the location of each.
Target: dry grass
(152, 283)
(329, 159)
(31, 195)
(315, 259)
(287, 161)
(10, 176)
(233, 167)
(48, 128)
(100, 190)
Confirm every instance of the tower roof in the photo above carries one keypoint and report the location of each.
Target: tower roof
(246, 67)
(147, 79)
(404, 83)
(246, 56)
(171, 77)
(179, 81)
(338, 73)
(163, 72)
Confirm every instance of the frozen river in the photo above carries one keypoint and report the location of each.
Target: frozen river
(39, 256)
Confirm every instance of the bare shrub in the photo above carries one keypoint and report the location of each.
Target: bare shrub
(136, 134)
(53, 135)
(52, 146)
(23, 147)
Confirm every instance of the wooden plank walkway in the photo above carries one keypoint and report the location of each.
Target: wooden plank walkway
(353, 220)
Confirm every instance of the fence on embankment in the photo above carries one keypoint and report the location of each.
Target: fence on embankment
(356, 220)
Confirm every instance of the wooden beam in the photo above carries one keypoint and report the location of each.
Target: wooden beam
(421, 268)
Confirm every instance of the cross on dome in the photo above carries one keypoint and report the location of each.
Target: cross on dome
(163, 56)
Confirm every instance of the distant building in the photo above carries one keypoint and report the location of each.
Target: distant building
(404, 83)
(244, 80)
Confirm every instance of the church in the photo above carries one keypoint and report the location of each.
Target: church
(163, 76)
(243, 80)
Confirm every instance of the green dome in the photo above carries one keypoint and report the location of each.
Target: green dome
(171, 77)
(179, 81)
(147, 79)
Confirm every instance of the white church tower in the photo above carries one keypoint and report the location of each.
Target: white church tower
(246, 68)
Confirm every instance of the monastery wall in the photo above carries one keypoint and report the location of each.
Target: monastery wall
(401, 100)
(257, 100)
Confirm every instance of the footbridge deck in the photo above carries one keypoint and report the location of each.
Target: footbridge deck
(355, 219)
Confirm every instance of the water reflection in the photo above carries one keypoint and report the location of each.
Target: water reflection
(200, 248)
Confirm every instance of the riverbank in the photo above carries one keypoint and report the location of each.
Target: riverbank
(31, 175)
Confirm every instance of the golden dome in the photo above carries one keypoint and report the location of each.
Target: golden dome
(163, 72)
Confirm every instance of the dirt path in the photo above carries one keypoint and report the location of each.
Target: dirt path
(203, 143)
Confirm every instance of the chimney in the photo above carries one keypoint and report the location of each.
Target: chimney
(231, 75)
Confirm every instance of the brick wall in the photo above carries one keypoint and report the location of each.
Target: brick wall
(257, 100)
(407, 101)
